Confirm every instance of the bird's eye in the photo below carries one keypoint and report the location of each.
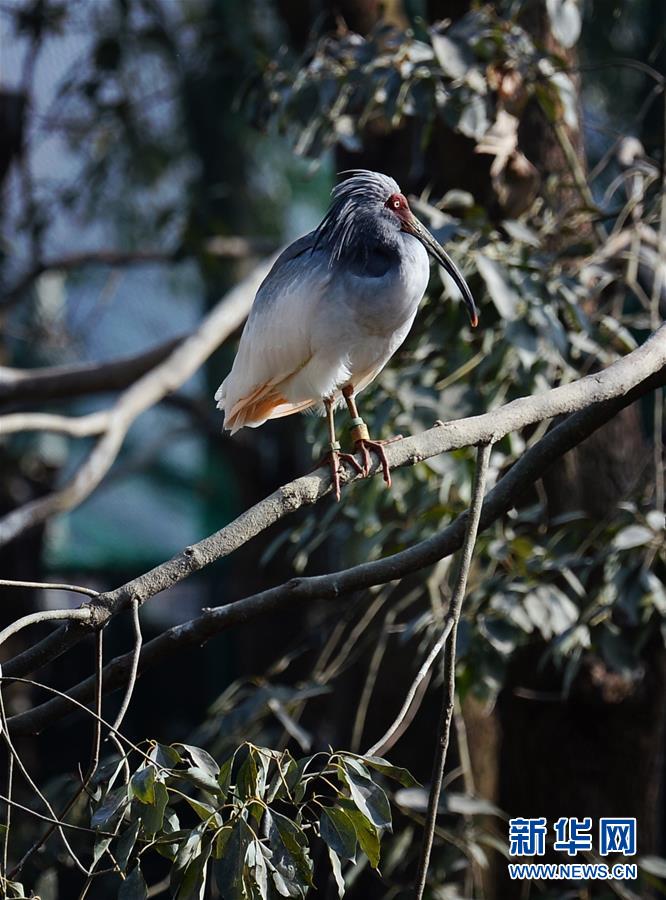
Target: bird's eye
(396, 204)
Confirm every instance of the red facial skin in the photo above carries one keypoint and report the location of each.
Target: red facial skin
(398, 205)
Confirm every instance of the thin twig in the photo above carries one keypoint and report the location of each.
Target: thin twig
(94, 757)
(134, 667)
(56, 822)
(388, 739)
(371, 680)
(82, 614)
(13, 752)
(69, 700)
(8, 818)
(444, 729)
(48, 586)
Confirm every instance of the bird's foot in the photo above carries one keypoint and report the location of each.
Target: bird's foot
(333, 458)
(366, 446)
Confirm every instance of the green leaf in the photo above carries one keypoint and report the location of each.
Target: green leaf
(170, 826)
(152, 815)
(246, 782)
(366, 833)
(258, 867)
(290, 855)
(100, 848)
(230, 869)
(499, 288)
(337, 871)
(134, 886)
(165, 757)
(110, 809)
(337, 829)
(367, 796)
(221, 840)
(397, 773)
(632, 536)
(193, 884)
(202, 760)
(224, 776)
(125, 845)
(201, 778)
(143, 784)
(205, 811)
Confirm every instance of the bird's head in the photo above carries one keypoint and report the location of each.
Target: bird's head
(367, 196)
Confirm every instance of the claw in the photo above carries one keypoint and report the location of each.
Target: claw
(377, 447)
(332, 459)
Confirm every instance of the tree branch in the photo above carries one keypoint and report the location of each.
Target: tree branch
(532, 465)
(75, 426)
(170, 374)
(223, 247)
(471, 530)
(634, 371)
(55, 382)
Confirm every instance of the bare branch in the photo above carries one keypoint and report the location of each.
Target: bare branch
(180, 365)
(49, 586)
(19, 762)
(224, 247)
(83, 614)
(444, 730)
(532, 465)
(54, 382)
(75, 426)
(94, 760)
(396, 729)
(634, 375)
(134, 668)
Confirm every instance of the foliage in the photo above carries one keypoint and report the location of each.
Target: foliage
(255, 823)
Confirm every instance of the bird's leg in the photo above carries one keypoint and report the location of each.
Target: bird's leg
(334, 457)
(361, 437)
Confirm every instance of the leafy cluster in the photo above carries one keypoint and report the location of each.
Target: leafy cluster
(464, 74)
(255, 821)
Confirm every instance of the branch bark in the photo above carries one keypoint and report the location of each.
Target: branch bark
(56, 382)
(532, 465)
(643, 366)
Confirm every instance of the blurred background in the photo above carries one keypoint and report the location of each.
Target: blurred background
(152, 153)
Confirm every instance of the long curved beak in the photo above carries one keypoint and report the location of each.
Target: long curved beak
(413, 226)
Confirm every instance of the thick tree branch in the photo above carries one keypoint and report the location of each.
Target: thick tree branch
(532, 465)
(166, 377)
(618, 380)
(55, 382)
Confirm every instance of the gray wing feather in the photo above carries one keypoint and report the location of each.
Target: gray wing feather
(276, 340)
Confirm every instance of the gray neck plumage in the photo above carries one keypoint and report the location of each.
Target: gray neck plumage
(350, 231)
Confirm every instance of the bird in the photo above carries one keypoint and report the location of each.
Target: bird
(332, 311)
